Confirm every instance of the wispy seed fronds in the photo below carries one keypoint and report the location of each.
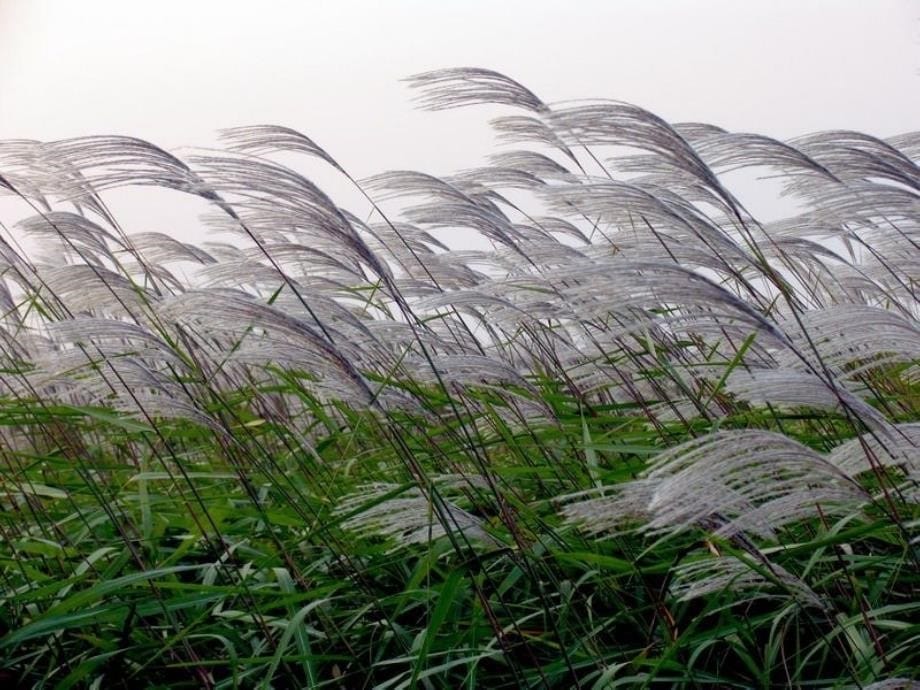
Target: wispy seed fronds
(791, 388)
(863, 454)
(623, 124)
(730, 483)
(266, 139)
(407, 516)
(158, 247)
(461, 86)
(745, 481)
(741, 573)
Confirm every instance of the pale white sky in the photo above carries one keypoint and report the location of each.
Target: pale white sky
(173, 71)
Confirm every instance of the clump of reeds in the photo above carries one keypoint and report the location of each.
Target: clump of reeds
(645, 439)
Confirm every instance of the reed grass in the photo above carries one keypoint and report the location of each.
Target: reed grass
(643, 440)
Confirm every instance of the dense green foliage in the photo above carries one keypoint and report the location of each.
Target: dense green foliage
(644, 441)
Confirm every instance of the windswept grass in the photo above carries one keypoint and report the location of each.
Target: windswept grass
(645, 440)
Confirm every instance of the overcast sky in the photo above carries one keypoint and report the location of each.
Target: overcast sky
(175, 71)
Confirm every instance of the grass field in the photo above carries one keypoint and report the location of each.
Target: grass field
(642, 440)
